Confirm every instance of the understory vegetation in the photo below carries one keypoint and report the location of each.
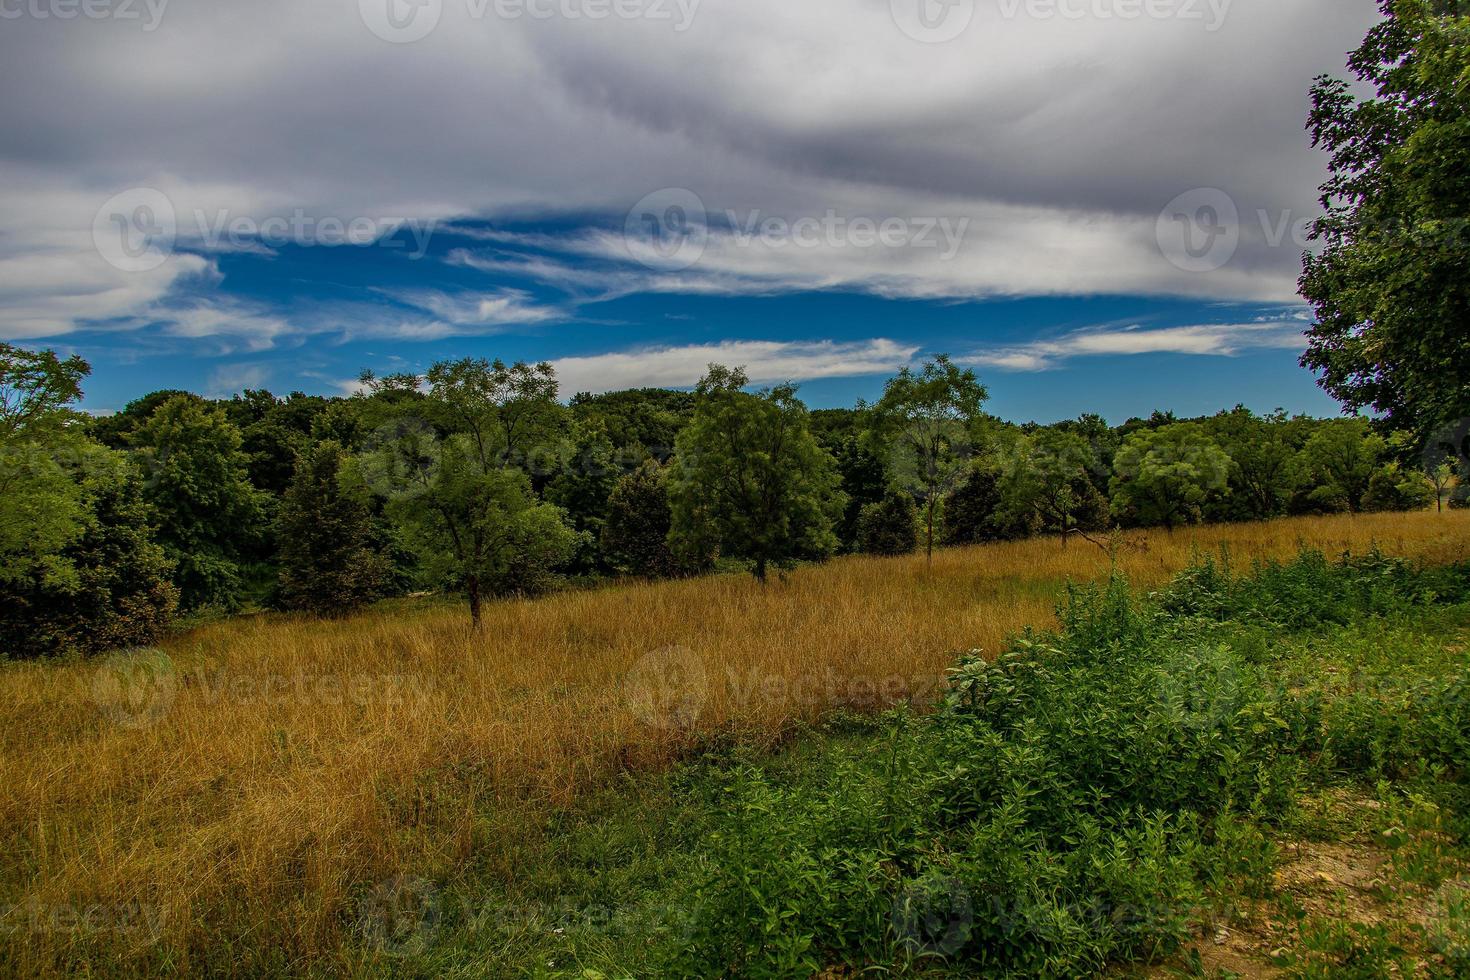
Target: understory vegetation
(1125, 788)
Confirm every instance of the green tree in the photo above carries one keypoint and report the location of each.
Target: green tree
(450, 467)
(1393, 488)
(1338, 461)
(1048, 476)
(636, 531)
(891, 526)
(748, 478)
(1166, 475)
(582, 487)
(42, 506)
(927, 421)
(77, 568)
(976, 511)
(329, 564)
(197, 482)
(1263, 463)
(1389, 286)
(116, 591)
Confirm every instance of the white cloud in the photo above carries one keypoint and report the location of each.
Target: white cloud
(476, 309)
(230, 379)
(1216, 339)
(1059, 140)
(765, 362)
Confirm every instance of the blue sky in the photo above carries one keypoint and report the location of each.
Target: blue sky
(1099, 210)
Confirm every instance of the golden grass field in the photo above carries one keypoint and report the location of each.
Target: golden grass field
(238, 790)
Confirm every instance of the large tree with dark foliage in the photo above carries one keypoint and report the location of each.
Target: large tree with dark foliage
(329, 562)
(1391, 285)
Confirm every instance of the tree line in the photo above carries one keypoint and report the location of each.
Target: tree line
(474, 479)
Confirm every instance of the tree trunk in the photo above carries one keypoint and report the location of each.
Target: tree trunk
(760, 569)
(929, 534)
(472, 584)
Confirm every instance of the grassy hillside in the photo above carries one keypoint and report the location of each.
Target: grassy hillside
(231, 799)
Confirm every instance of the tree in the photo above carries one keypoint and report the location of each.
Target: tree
(1389, 286)
(1049, 477)
(1165, 475)
(635, 533)
(1339, 459)
(450, 467)
(864, 477)
(1263, 470)
(975, 511)
(117, 590)
(748, 478)
(36, 388)
(325, 529)
(77, 568)
(196, 481)
(927, 421)
(891, 526)
(583, 486)
(1392, 488)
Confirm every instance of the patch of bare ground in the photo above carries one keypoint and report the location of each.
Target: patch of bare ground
(1351, 881)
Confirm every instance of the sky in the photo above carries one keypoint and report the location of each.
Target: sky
(1099, 205)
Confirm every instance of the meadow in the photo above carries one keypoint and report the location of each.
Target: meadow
(224, 801)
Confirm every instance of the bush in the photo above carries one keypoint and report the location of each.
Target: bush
(1072, 800)
(1392, 489)
(889, 527)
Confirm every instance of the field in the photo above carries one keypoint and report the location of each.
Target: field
(226, 802)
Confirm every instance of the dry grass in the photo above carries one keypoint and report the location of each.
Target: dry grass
(285, 763)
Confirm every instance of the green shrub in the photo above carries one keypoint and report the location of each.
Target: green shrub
(889, 527)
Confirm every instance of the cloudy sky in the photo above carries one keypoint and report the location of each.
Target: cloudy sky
(1097, 203)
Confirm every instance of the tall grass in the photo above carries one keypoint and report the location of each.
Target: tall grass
(224, 802)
